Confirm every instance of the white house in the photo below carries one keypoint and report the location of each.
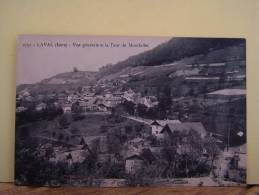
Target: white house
(40, 106)
(70, 98)
(25, 93)
(156, 128)
(66, 108)
(112, 101)
(75, 156)
(185, 127)
(21, 109)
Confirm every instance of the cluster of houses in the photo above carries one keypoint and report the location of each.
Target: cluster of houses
(86, 99)
(130, 154)
(164, 130)
(89, 101)
(230, 71)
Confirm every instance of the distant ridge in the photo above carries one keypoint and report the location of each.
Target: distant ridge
(173, 50)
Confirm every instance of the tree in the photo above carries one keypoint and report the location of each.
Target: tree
(76, 108)
(165, 102)
(152, 113)
(49, 153)
(31, 168)
(169, 155)
(80, 89)
(64, 121)
(114, 139)
(147, 155)
(60, 137)
(141, 110)
(129, 107)
(116, 171)
(128, 129)
(212, 150)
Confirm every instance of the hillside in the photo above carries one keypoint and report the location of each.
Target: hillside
(60, 82)
(78, 77)
(171, 51)
(146, 79)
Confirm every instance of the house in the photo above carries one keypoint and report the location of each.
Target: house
(67, 108)
(62, 97)
(158, 125)
(152, 100)
(40, 107)
(84, 106)
(71, 157)
(118, 94)
(98, 99)
(90, 105)
(25, 93)
(88, 95)
(21, 109)
(145, 101)
(112, 101)
(148, 101)
(134, 164)
(70, 98)
(156, 128)
(29, 98)
(236, 167)
(19, 97)
(186, 127)
(102, 108)
(108, 94)
(129, 95)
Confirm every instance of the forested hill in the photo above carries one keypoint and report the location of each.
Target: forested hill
(173, 50)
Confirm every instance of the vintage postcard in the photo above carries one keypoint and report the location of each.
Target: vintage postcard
(114, 111)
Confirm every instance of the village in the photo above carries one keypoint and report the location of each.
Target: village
(190, 154)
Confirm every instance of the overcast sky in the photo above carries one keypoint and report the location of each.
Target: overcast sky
(36, 61)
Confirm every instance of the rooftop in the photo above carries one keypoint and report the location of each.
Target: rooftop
(196, 126)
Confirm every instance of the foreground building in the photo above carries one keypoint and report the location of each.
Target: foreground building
(133, 164)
